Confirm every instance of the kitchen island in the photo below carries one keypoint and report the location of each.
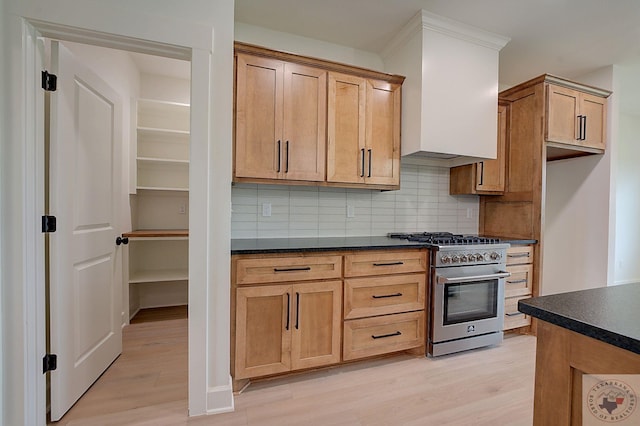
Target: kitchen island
(595, 331)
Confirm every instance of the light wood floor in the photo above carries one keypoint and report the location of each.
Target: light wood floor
(147, 385)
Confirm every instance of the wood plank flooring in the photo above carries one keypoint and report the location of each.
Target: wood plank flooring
(147, 385)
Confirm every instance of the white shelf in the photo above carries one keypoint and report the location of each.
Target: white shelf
(163, 115)
(155, 160)
(160, 132)
(158, 275)
(161, 188)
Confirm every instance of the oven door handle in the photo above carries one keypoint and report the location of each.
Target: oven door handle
(453, 280)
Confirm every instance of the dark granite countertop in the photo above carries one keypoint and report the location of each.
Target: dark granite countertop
(608, 314)
(512, 240)
(282, 245)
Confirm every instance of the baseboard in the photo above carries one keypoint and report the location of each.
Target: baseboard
(131, 315)
(622, 282)
(220, 399)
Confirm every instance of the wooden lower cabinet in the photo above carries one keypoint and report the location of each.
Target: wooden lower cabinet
(287, 327)
(518, 286)
(383, 334)
(298, 311)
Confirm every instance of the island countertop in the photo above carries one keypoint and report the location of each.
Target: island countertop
(609, 314)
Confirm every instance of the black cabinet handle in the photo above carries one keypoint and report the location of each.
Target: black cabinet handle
(288, 310)
(286, 162)
(278, 157)
(579, 128)
(518, 255)
(584, 128)
(389, 263)
(369, 163)
(516, 281)
(362, 173)
(122, 240)
(297, 310)
(513, 314)
(302, 268)
(382, 336)
(387, 295)
(481, 172)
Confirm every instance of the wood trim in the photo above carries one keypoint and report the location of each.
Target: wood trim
(157, 233)
(251, 49)
(368, 186)
(560, 81)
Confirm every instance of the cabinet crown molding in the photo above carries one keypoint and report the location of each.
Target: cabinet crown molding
(559, 81)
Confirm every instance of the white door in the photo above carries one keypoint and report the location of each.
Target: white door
(84, 189)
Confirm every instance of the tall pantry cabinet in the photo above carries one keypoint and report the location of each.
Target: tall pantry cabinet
(158, 243)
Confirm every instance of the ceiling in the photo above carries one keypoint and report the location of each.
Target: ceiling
(563, 37)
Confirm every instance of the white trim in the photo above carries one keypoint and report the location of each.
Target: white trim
(219, 397)
(199, 282)
(424, 20)
(623, 282)
(34, 241)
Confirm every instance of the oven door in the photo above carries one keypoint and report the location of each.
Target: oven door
(467, 301)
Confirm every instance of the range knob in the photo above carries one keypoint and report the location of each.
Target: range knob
(455, 258)
(445, 259)
(495, 256)
(472, 257)
(464, 258)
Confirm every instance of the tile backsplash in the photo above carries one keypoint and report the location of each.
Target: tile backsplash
(422, 204)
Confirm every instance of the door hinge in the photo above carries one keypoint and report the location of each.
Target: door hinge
(49, 362)
(48, 224)
(49, 81)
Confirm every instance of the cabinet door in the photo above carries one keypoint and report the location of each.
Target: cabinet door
(490, 173)
(259, 92)
(382, 133)
(316, 324)
(305, 106)
(346, 129)
(263, 331)
(562, 114)
(594, 108)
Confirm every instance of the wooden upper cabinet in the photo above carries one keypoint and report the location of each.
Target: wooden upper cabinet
(259, 103)
(382, 138)
(301, 120)
(346, 129)
(575, 117)
(280, 120)
(363, 131)
(485, 177)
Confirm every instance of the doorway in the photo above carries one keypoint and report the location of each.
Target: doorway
(153, 272)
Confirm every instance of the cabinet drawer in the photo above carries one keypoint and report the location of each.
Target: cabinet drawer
(519, 283)
(517, 255)
(384, 262)
(512, 317)
(366, 297)
(384, 334)
(282, 269)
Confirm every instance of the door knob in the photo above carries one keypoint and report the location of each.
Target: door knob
(122, 240)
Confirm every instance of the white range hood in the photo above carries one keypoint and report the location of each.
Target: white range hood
(450, 95)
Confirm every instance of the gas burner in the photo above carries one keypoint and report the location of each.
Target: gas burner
(444, 238)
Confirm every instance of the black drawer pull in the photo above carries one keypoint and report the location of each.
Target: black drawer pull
(517, 281)
(382, 336)
(387, 295)
(513, 314)
(388, 264)
(519, 255)
(302, 268)
(297, 310)
(288, 310)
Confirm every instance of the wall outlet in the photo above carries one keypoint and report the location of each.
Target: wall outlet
(351, 211)
(469, 213)
(182, 208)
(266, 209)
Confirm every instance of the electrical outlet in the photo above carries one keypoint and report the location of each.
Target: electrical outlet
(266, 209)
(351, 211)
(182, 209)
(469, 213)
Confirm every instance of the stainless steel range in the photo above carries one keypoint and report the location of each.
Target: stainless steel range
(466, 291)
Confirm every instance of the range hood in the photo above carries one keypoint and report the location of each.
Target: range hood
(450, 94)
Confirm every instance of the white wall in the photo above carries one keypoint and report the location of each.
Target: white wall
(422, 204)
(162, 21)
(578, 231)
(627, 229)
(306, 46)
